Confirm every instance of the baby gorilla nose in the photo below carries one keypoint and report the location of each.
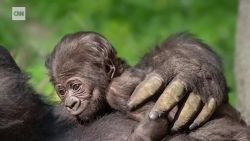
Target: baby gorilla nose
(73, 103)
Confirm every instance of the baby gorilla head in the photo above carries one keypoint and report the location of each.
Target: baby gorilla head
(81, 67)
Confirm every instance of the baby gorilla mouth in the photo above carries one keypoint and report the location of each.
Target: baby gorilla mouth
(75, 106)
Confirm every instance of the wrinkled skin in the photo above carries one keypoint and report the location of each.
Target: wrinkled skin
(25, 117)
(181, 70)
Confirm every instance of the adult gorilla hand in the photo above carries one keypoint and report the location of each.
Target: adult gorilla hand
(201, 88)
(183, 69)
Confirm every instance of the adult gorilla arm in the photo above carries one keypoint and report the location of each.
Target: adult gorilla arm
(199, 70)
(23, 115)
(181, 69)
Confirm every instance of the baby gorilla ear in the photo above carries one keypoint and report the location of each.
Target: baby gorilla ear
(104, 47)
(110, 68)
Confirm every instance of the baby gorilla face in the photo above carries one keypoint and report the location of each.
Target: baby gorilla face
(81, 67)
(75, 95)
(79, 97)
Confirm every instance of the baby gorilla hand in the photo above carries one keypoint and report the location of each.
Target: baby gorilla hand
(121, 89)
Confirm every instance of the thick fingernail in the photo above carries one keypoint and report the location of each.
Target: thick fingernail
(154, 115)
(193, 126)
(174, 128)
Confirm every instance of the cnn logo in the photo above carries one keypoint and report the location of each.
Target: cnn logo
(18, 13)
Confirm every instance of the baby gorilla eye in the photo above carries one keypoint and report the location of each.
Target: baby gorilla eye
(76, 86)
(60, 90)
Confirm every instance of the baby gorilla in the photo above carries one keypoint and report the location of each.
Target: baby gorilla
(87, 74)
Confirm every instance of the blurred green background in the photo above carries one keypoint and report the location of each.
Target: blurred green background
(132, 26)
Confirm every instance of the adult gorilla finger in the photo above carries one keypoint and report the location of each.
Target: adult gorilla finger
(206, 112)
(190, 108)
(145, 89)
(168, 99)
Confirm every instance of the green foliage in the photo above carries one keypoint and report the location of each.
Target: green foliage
(133, 26)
